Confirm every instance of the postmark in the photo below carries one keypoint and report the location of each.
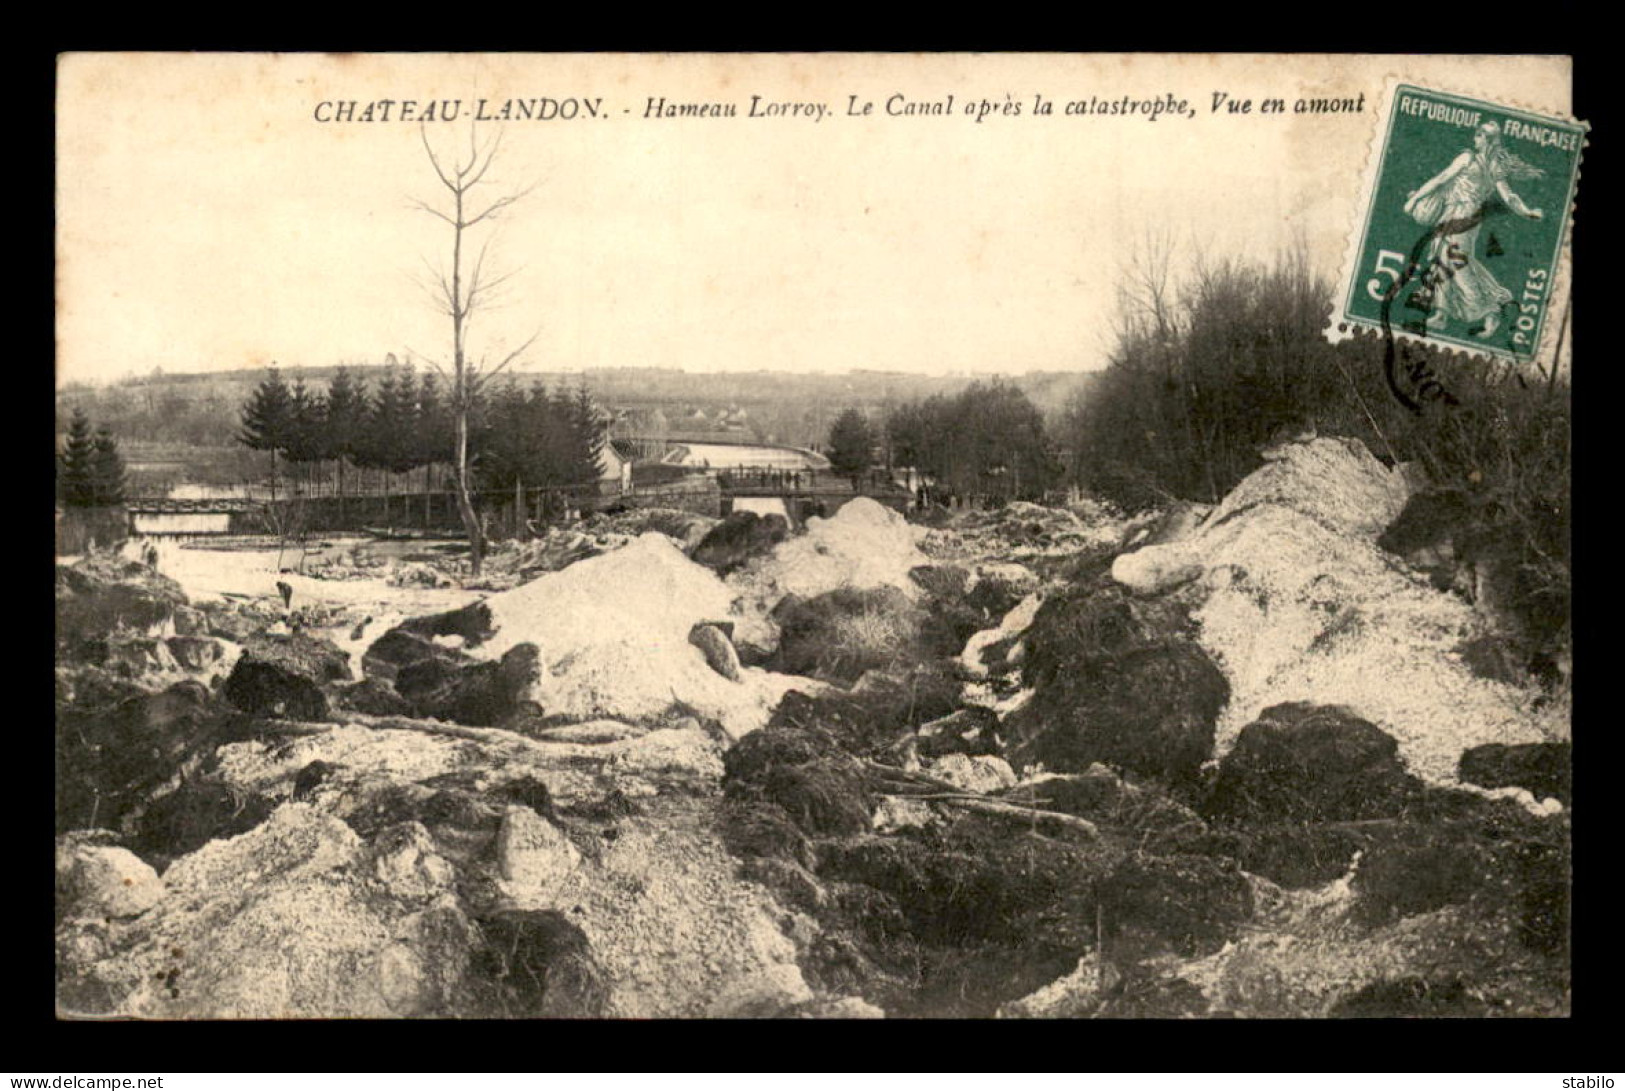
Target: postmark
(1465, 222)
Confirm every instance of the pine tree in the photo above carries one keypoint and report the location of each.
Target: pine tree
(305, 424)
(586, 432)
(266, 418)
(106, 470)
(387, 438)
(343, 418)
(434, 439)
(399, 422)
(74, 464)
(507, 454)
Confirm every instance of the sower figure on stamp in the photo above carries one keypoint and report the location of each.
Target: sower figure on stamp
(1454, 202)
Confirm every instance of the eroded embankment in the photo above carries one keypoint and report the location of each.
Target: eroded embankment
(1005, 766)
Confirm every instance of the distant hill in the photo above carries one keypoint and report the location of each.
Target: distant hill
(201, 409)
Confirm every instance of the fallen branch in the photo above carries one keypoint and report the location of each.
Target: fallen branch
(493, 735)
(276, 728)
(905, 784)
(1035, 815)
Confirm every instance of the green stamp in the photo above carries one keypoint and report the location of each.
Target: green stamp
(1466, 215)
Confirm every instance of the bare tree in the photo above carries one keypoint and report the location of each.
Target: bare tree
(460, 295)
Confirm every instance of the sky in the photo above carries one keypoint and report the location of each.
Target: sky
(208, 220)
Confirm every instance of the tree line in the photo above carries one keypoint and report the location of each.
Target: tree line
(525, 437)
(986, 444)
(1204, 376)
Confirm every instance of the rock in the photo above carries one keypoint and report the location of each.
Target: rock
(874, 713)
(1310, 763)
(842, 633)
(1496, 859)
(864, 545)
(777, 989)
(987, 653)
(1189, 904)
(845, 1007)
(739, 539)
(893, 813)
(1546, 769)
(103, 881)
(999, 587)
(1181, 521)
(718, 650)
(286, 675)
(266, 689)
(102, 593)
(425, 663)
(1421, 870)
(537, 964)
(481, 694)
(1077, 995)
(1410, 998)
(311, 777)
(86, 686)
(195, 653)
(1434, 532)
(473, 623)
(288, 920)
(233, 621)
(407, 866)
(1150, 711)
(1294, 855)
(793, 885)
(1093, 622)
(950, 617)
(967, 731)
(613, 630)
(533, 855)
(313, 657)
(805, 772)
(1155, 569)
(373, 697)
(973, 887)
(684, 751)
(979, 774)
(754, 829)
(111, 759)
(190, 621)
(528, 791)
(138, 656)
(195, 813)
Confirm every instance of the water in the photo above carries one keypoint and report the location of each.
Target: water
(170, 524)
(730, 456)
(763, 505)
(221, 492)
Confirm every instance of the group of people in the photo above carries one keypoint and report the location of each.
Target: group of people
(765, 478)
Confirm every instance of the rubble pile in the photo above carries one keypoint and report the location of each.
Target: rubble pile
(1012, 768)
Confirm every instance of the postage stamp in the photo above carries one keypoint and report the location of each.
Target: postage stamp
(1465, 220)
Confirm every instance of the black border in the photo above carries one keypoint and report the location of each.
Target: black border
(39, 1043)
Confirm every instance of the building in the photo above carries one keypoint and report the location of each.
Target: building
(615, 466)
